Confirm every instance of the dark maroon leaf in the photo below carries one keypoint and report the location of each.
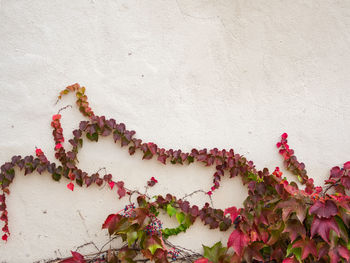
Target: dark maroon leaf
(99, 181)
(77, 133)
(106, 132)
(322, 227)
(83, 125)
(120, 184)
(336, 172)
(345, 180)
(107, 177)
(111, 123)
(120, 127)
(327, 209)
(162, 159)
(194, 211)
(116, 136)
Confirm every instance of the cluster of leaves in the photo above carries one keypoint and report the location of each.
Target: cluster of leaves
(279, 221)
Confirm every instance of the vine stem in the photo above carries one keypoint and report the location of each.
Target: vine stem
(198, 191)
(65, 107)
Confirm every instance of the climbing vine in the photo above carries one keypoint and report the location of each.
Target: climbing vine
(280, 221)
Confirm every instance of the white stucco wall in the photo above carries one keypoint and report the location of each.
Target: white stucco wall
(183, 74)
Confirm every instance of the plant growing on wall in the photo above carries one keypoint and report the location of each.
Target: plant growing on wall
(279, 222)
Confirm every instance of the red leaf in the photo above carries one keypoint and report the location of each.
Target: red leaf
(162, 158)
(77, 256)
(335, 172)
(111, 184)
(294, 228)
(290, 260)
(56, 117)
(344, 252)
(345, 180)
(108, 221)
(120, 184)
(327, 209)
(347, 165)
(322, 226)
(233, 211)
(121, 192)
(38, 152)
(111, 222)
(70, 186)
(4, 237)
(238, 241)
(202, 260)
(58, 146)
(307, 247)
(334, 256)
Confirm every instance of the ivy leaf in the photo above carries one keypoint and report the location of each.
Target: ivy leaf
(111, 222)
(124, 255)
(307, 247)
(92, 137)
(141, 214)
(337, 252)
(344, 252)
(294, 228)
(345, 180)
(295, 251)
(131, 236)
(292, 205)
(322, 227)
(121, 192)
(238, 241)
(202, 260)
(215, 252)
(342, 229)
(77, 258)
(153, 243)
(233, 212)
(290, 260)
(327, 209)
(180, 217)
(56, 176)
(170, 210)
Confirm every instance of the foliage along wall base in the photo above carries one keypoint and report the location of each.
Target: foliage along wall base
(278, 222)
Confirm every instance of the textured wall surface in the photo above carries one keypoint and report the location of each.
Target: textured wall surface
(183, 74)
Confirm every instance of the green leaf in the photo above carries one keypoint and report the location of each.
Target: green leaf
(170, 210)
(342, 228)
(154, 247)
(132, 236)
(190, 159)
(180, 217)
(92, 137)
(296, 251)
(215, 252)
(56, 176)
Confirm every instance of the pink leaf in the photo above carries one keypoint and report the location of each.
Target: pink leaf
(111, 184)
(202, 260)
(120, 184)
(347, 165)
(70, 186)
(58, 146)
(121, 192)
(238, 241)
(4, 237)
(322, 226)
(326, 209)
(233, 211)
